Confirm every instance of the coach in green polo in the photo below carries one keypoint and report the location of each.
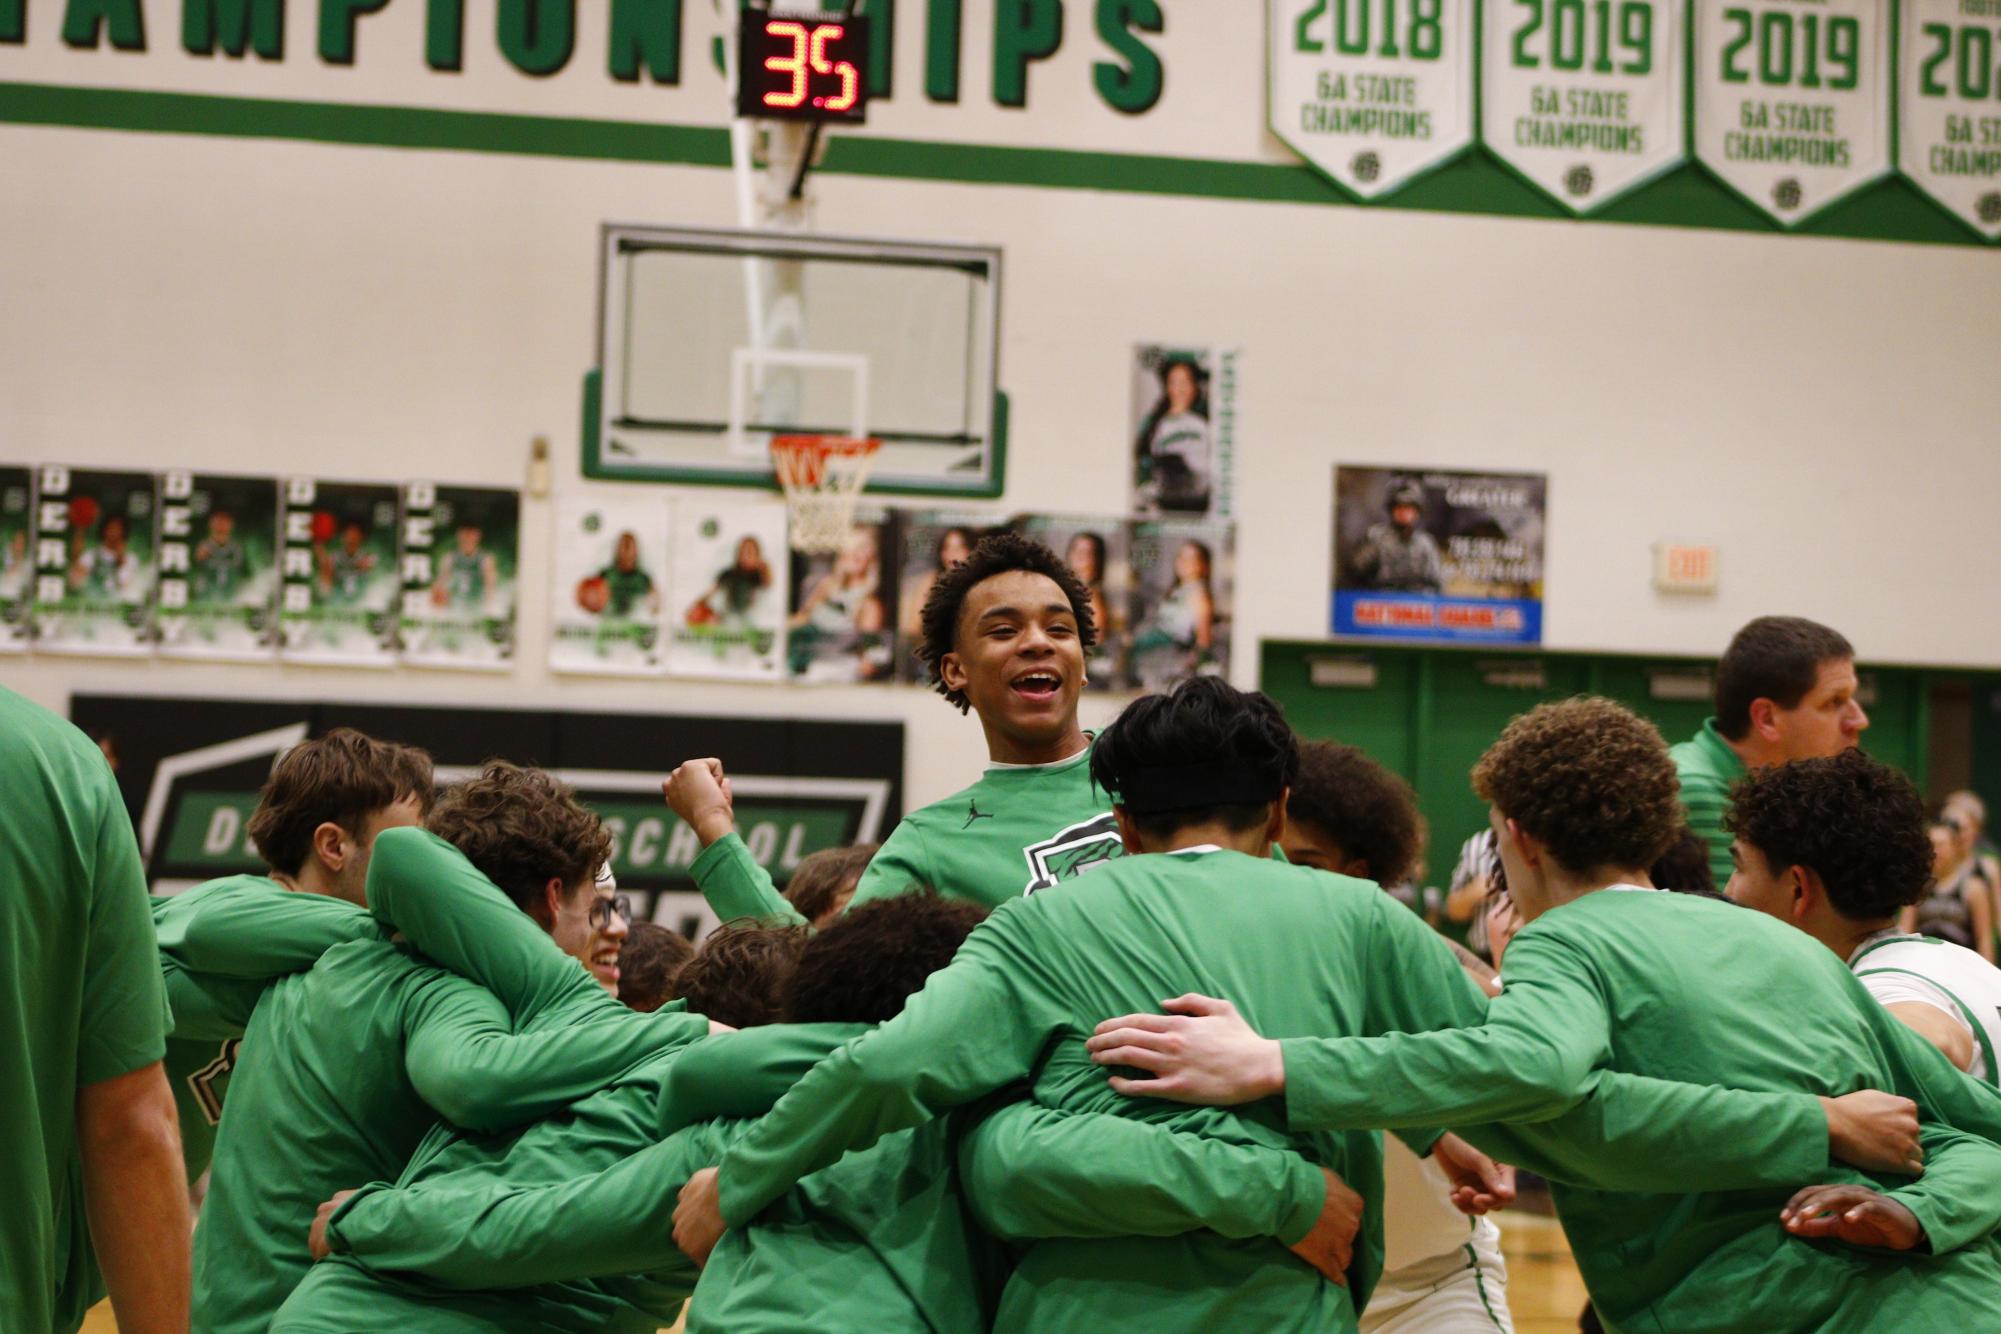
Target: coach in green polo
(1785, 690)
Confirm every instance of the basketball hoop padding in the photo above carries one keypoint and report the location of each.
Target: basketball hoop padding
(822, 477)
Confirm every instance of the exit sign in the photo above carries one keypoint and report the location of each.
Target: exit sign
(1682, 568)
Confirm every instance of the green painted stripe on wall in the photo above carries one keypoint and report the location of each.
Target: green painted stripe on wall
(1890, 210)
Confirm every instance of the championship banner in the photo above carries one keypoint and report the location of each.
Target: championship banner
(1371, 92)
(1792, 99)
(218, 567)
(1099, 552)
(190, 770)
(94, 562)
(728, 584)
(1584, 99)
(1439, 555)
(461, 547)
(1182, 600)
(17, 561)
(608, 591)
(1949, 109)
(340, 587)
(841, 628)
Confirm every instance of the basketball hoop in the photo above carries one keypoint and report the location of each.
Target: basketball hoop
(822, 477)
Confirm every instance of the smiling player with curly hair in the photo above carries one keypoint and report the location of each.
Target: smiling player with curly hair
(1007, 632)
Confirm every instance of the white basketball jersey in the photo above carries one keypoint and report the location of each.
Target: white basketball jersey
(1898, 968)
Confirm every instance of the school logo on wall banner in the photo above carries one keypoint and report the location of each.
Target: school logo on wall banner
(190, 770)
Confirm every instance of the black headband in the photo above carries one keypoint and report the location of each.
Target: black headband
(1157, 789)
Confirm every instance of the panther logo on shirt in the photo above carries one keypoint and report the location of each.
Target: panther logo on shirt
(1070, 852)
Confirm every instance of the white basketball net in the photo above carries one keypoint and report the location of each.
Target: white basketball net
(822, 476)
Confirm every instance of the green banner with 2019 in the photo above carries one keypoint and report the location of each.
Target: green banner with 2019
(1876, 118)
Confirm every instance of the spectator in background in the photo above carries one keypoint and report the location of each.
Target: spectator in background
(823, 882)
(1785, 690)
(1684, 867)
(91, 1178)
(1971, 813)
(1956, 907)
(647, 964)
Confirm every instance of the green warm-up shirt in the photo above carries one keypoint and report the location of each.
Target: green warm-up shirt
(1300, 951)
(1687, 988)
(221, 944)
(1020, 829)
(345, 1068)
(84, 1002)
(1708, 769)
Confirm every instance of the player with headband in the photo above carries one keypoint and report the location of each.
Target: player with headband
(1201, 778)
(1006, 633)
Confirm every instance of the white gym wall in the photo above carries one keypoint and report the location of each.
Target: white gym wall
(1822, 410)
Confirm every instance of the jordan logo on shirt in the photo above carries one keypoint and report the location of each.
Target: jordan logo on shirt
(974, 813)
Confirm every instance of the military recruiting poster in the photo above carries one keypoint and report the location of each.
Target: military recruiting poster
(461, 547)
(1184, 424)
(17, 557)
(1585, 100)
(610, 585)
(729, 583)
(218, 566)
(1180, 610)
(1427, 554)
(1792, 100)
(340, 583)
(1372, 92)
(1098, 551)
(932, 542)
(1949, 113)
(94, 561)
(841, 628)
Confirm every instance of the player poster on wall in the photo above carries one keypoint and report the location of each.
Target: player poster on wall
(729, 585)
(1792, 102)
(932, 541)
(339, 584)
(609, 587)
(841, 628)
(1184, 431)
(1181, 603)
(461, 547)
(218, 566)
(94, 561)
(17, 557)
(1097, 550)
(1427, 554)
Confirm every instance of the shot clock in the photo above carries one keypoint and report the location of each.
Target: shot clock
(802, 67)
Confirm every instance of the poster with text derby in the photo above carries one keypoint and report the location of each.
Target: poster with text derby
(340, 585)
(218, 567)
(96, 563)
(1430, 554)
(461, 550)
(17, 557)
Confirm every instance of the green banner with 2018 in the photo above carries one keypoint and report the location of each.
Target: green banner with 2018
(1845, 117)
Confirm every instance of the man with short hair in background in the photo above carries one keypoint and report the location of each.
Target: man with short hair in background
(1785, 690)
(90, 1129)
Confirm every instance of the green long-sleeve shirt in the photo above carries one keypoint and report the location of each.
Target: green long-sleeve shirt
(1694, 989)
(1708, 768)
(1019, 829)
(221, 944)
(347, 1067)
(876, 1242)
(1034, 979)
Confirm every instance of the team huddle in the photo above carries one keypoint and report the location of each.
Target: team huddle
(1108, 1040)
